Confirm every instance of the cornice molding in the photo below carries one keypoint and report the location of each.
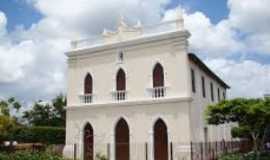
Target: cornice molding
(183, 34)
(131, 103)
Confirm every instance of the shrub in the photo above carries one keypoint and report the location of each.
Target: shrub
(4, 156)
(231, 157)
(6, 126)
(46, 135)
(100, 156)
(29, 156)
(252, 156)
(247, 156)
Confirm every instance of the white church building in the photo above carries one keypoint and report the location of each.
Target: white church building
(138, 94)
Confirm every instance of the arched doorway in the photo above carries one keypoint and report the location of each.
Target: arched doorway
(122, 140)
(88, 139)
(160, 141)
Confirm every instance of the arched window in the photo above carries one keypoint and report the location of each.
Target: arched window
(160, 140)
(88, 89)
(158, 76)
(120, 93)
(121, 80)
(158, 81)
(88, 140)
(122, 140)
(88, 84)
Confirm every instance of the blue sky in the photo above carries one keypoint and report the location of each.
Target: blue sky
(19, 12)
(215, 10)
(231, 36)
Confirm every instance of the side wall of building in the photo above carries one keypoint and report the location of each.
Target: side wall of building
(199, 105)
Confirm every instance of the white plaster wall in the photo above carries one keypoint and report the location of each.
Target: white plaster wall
(140, 118)
(199, 105)
(139, 60)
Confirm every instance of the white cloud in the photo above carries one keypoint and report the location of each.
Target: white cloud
(84, 17)
(245, 31)
(32, 63)
(13, 59)
(252, 18)
(207, 38)
(249, 15)
(214, 40)
(247, 78)
(33, 70)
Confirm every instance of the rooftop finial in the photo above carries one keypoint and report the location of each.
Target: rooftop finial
(179, 18)
(138, 25)
(105, 32)
(121, 22)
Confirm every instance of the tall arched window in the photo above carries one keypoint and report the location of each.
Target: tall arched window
(120, 85)
(121, 80)
(88, 84)
(158, 76)
(122, 140)
(88, 89)
(158, 81)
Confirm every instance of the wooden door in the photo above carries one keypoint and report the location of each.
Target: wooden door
(88, 142)
(160, 141)
(122, 140)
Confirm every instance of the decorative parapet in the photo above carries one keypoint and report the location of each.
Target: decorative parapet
(125, 32)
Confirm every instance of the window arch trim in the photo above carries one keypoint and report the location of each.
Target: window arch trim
(158, 78)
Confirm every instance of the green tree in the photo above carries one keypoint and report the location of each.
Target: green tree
(39, 115)
(59, 111)
(7, 124)
(7, 121)
(45, 114)
(6, 106)
(252, 116)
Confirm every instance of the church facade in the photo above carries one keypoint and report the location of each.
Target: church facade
(138, 94)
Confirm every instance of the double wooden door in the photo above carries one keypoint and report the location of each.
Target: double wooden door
(122, 140)
(160, 141)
